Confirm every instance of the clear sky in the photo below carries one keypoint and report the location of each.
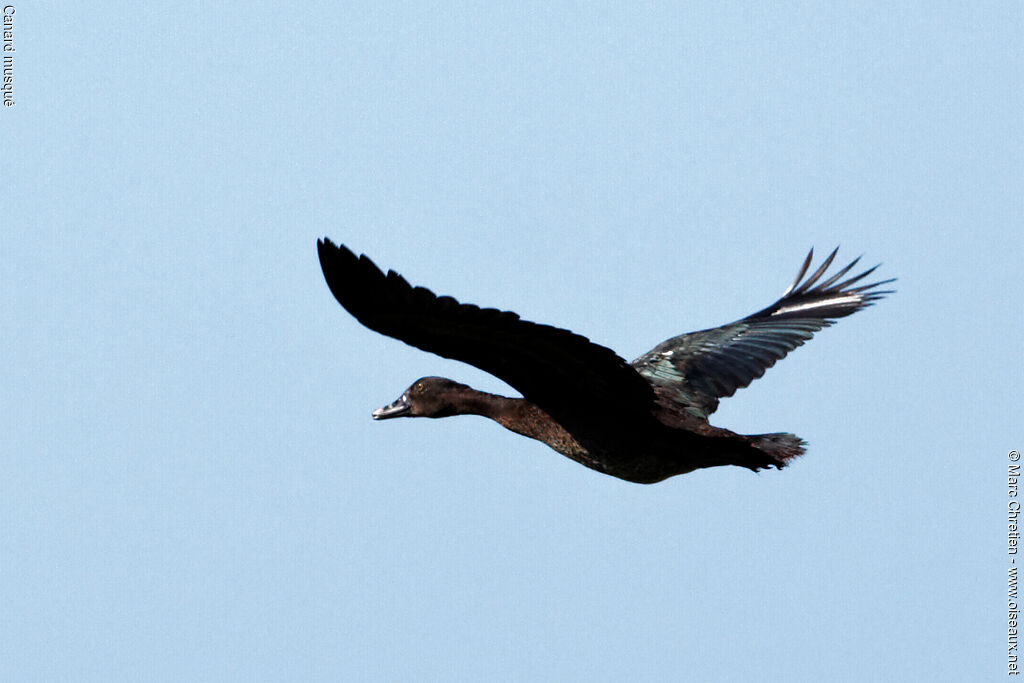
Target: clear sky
(191, 487)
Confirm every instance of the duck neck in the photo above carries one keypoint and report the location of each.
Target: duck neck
(515, 414)
(523, 417)
(493, 406)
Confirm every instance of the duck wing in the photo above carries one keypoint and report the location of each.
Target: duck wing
(695, 370)
(582, 385)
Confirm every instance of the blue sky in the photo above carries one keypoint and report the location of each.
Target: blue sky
(193, 488)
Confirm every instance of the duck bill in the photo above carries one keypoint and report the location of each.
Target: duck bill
(399, 408)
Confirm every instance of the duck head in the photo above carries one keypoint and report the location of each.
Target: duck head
(427, 397)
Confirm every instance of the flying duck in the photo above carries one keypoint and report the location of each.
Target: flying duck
(643, 421)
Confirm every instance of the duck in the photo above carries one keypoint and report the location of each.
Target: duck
(641, 422)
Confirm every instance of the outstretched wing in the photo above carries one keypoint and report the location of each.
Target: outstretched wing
(574, 380)
(695, 370)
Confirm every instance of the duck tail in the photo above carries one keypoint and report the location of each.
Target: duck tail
(780, 447)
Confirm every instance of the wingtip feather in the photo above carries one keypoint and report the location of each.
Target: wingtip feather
(800, 275)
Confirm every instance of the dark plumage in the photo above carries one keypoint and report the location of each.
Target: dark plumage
(642, 421)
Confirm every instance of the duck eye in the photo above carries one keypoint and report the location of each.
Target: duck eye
(419, 387)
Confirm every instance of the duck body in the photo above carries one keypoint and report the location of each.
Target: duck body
(648, 456)
(643, 421)
(641, 454)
